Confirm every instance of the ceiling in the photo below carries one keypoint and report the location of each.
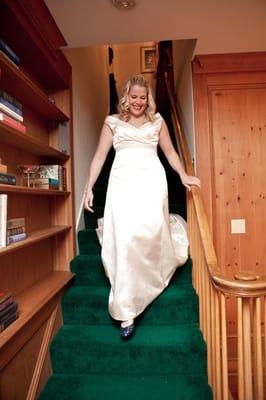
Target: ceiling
(89, 22)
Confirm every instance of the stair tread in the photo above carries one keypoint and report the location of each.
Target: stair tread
(147, 335)
(126, 387)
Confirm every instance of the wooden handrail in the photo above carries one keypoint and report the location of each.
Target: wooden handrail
(213, 288)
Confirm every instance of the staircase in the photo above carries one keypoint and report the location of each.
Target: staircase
(166, 357)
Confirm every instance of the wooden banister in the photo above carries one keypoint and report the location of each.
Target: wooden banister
(214, 288)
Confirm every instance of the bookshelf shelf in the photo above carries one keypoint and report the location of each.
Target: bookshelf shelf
(29, 143)
(19, 85)
(36, 270)
(34, 237)
(31, 301)
(24, 190)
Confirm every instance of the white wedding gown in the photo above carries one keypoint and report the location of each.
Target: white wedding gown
(141, 245)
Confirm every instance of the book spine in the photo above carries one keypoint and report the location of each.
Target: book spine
(7, 179)
(10, 105)
(15, 222)
(16, 238)
(9, 52)
(7, 322)
(10, 112)
(3, 219)
(16, 231)
(12, 123)
(5, 296)
(6, 303)
(10, 99)
(8, 311)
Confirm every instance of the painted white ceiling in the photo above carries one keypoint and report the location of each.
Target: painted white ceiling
(232, 25)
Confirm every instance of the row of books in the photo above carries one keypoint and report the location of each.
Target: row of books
(9, 53)
(51, 176)
(11, 230)
(10, 109)
(8, 310)
(11, 112)
(48, 176)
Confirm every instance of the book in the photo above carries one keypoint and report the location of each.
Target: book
(6, 303)
(7, 120)
(11, 106)
(7, 110)
(3, 219)
(15, 223)
(9, 52)
(11, 100)
(8, 321)
(64, 137)
(41, 181)
(9, 310)
(54, 171)
(16, 231)
(5, 296)
(8, 179)
(16, 238)
(47, 186)
(9, 59)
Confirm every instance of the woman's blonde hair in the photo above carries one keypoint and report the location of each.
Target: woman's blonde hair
(123, 106)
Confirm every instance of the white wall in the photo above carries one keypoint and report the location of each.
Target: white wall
(90, 106)
(127, 62)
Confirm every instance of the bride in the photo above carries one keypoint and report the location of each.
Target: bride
(141, 245)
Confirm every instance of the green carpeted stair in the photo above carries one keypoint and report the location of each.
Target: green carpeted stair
(165, 358)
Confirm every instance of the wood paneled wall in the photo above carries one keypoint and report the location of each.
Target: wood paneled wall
(230, 116)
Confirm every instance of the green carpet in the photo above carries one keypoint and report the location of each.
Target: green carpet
(165, 358)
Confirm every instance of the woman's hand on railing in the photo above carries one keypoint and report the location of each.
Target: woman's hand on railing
(88, 201)
(189, 181)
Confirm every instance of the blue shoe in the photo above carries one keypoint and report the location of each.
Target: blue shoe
(127, 331)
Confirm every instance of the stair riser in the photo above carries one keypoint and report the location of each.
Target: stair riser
(80, 358)
(90, 271)
(92, 311)
(88, 242)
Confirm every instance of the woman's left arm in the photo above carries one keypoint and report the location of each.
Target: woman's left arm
(168, 149)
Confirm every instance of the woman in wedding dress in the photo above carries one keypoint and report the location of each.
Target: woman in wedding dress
(137, 238)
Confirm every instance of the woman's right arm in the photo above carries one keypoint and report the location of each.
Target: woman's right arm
(104, 145)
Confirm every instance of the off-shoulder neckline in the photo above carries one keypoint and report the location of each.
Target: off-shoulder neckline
(133, 126)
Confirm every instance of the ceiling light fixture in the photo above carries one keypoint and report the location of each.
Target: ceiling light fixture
(124, 4)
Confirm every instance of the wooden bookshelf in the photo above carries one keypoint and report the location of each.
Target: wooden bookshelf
(34, 237)
(31, 302)
(29, 143)
(31, 190)
(19, 85)
(35, 270)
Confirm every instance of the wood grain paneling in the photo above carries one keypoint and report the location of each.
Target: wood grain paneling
(230, 120)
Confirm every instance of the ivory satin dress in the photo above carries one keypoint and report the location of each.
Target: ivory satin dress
(141, 245)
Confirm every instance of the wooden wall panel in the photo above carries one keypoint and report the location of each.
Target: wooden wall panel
(238, 118)
(230, 120)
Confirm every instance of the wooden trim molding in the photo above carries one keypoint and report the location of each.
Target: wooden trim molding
(42, 355)
(232, 62)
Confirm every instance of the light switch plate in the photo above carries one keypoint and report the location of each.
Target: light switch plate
(238, 226)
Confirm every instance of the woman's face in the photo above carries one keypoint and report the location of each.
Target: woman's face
(138, 100)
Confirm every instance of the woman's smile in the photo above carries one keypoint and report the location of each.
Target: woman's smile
(137, 99)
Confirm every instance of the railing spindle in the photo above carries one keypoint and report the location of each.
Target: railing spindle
(240, 359)
(224, 348)
(247, 350)
(258, 350)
